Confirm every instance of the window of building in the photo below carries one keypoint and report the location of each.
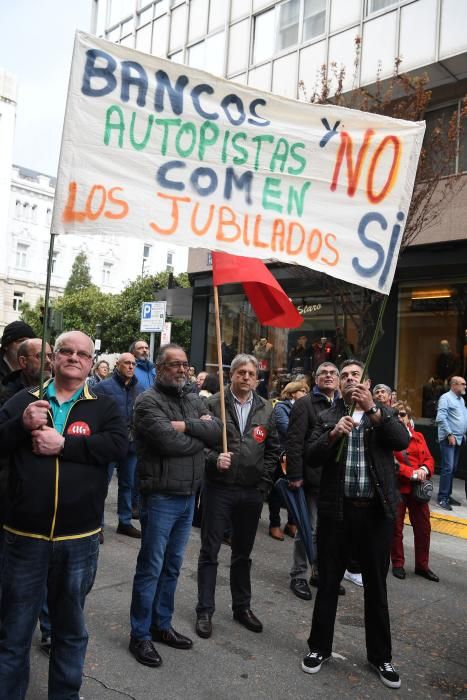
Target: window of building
(106, 272)
(18, 209)
(432, 342)
(210, 259)
(314, 19)
(146, 256)
(377, 5)
(289, 15)
(443, 119)
(170, 261)
(26, 211)
(48, 217)
(21, 256)
(34, 213)
(17, 300)
(120, 9)
(263, 41)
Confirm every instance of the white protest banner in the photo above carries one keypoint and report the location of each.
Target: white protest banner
(162, 151)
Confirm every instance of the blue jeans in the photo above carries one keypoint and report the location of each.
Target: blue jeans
(165, 530)
(126, 478)
(449, 460)
(67, 570)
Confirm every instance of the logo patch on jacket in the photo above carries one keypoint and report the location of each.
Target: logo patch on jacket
(79, 428)
(259, 433)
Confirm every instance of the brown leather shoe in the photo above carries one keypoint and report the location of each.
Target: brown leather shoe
(129, 531)
(290, 530)
(276, 533)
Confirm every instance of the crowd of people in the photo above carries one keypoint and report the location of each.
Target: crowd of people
(178, 443)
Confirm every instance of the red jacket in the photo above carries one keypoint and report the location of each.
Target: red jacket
(415, 456)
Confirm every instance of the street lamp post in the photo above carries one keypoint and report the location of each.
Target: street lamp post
(97, 341)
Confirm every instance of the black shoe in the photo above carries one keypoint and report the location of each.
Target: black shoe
(129, 531)
(203, 626)
(428, 574)
(171, 638)
(398, 572)
(45, 645)
(301, 589)
(145, 652)
(445, 505)
(454, 502)
(387, 673)
(313, 661)
(341, 589)
(248, 620)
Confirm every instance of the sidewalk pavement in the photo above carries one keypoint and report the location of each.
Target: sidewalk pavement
(428, 620)
(449, 522)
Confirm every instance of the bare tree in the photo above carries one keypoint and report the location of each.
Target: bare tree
(404, 97)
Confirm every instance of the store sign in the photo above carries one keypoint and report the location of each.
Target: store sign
(170, 153)
(308, 309)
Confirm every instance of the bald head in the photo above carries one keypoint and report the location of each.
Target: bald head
(125, 365)
(457, 385)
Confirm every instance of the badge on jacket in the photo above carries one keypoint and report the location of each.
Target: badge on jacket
(259, 433)
(79, 428)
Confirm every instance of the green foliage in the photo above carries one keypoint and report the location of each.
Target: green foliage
(117, 314)
(80, 276)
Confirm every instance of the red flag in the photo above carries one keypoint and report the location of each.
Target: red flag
(271, 304)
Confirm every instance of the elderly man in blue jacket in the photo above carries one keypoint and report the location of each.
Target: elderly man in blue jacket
(124, 387)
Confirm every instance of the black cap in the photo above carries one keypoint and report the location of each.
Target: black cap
(16, 330)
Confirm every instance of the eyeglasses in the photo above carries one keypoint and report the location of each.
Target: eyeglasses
(176, 365)
(68, 352)
(49, 355)
(331, 372)
(402, 413)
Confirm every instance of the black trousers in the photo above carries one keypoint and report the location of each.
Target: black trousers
(366, 534)
(223, 507)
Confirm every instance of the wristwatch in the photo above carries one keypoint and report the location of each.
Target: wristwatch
(371, 411)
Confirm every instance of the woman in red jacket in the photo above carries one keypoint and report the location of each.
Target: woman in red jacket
(414, 463)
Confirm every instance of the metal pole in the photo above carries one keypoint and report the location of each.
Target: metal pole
(152, 341)
(46, 314)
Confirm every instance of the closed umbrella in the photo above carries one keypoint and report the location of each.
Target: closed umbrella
(296, 503)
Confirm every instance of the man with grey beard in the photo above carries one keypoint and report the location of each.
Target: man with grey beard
(172, 428)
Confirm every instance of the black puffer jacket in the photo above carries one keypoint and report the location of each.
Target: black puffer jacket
(170, 461)
(255, 453)
(380, 442)
(302, 420)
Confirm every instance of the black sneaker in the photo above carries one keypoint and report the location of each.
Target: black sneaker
(388, 675)
(313, 661)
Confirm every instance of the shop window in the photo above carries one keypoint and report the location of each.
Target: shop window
(432, 343)
(17, 300)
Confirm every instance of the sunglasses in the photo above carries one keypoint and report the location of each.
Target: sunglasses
(402, 413)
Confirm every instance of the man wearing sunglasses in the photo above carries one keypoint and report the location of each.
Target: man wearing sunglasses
(172, 429)
(59, 448)
(124, 387)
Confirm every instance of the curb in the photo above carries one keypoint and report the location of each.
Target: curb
(446, 524)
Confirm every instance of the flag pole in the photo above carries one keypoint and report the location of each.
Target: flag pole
(369, 357)
(221, 372)
(46, 314)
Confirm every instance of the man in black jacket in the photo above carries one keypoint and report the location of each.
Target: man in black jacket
(300, 472)
(59, 448)
(356, 510)
(172, 428)
(236, 484)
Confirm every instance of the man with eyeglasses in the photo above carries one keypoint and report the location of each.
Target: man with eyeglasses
(302, 472)
(451, 419)
(124, 387)
(172, 429)
(59, 448)
(236, 485)
(29, 364)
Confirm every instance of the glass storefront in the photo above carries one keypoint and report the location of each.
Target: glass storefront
(432, 342)
(282, 354)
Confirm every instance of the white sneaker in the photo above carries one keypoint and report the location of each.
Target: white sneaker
(353, 578)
